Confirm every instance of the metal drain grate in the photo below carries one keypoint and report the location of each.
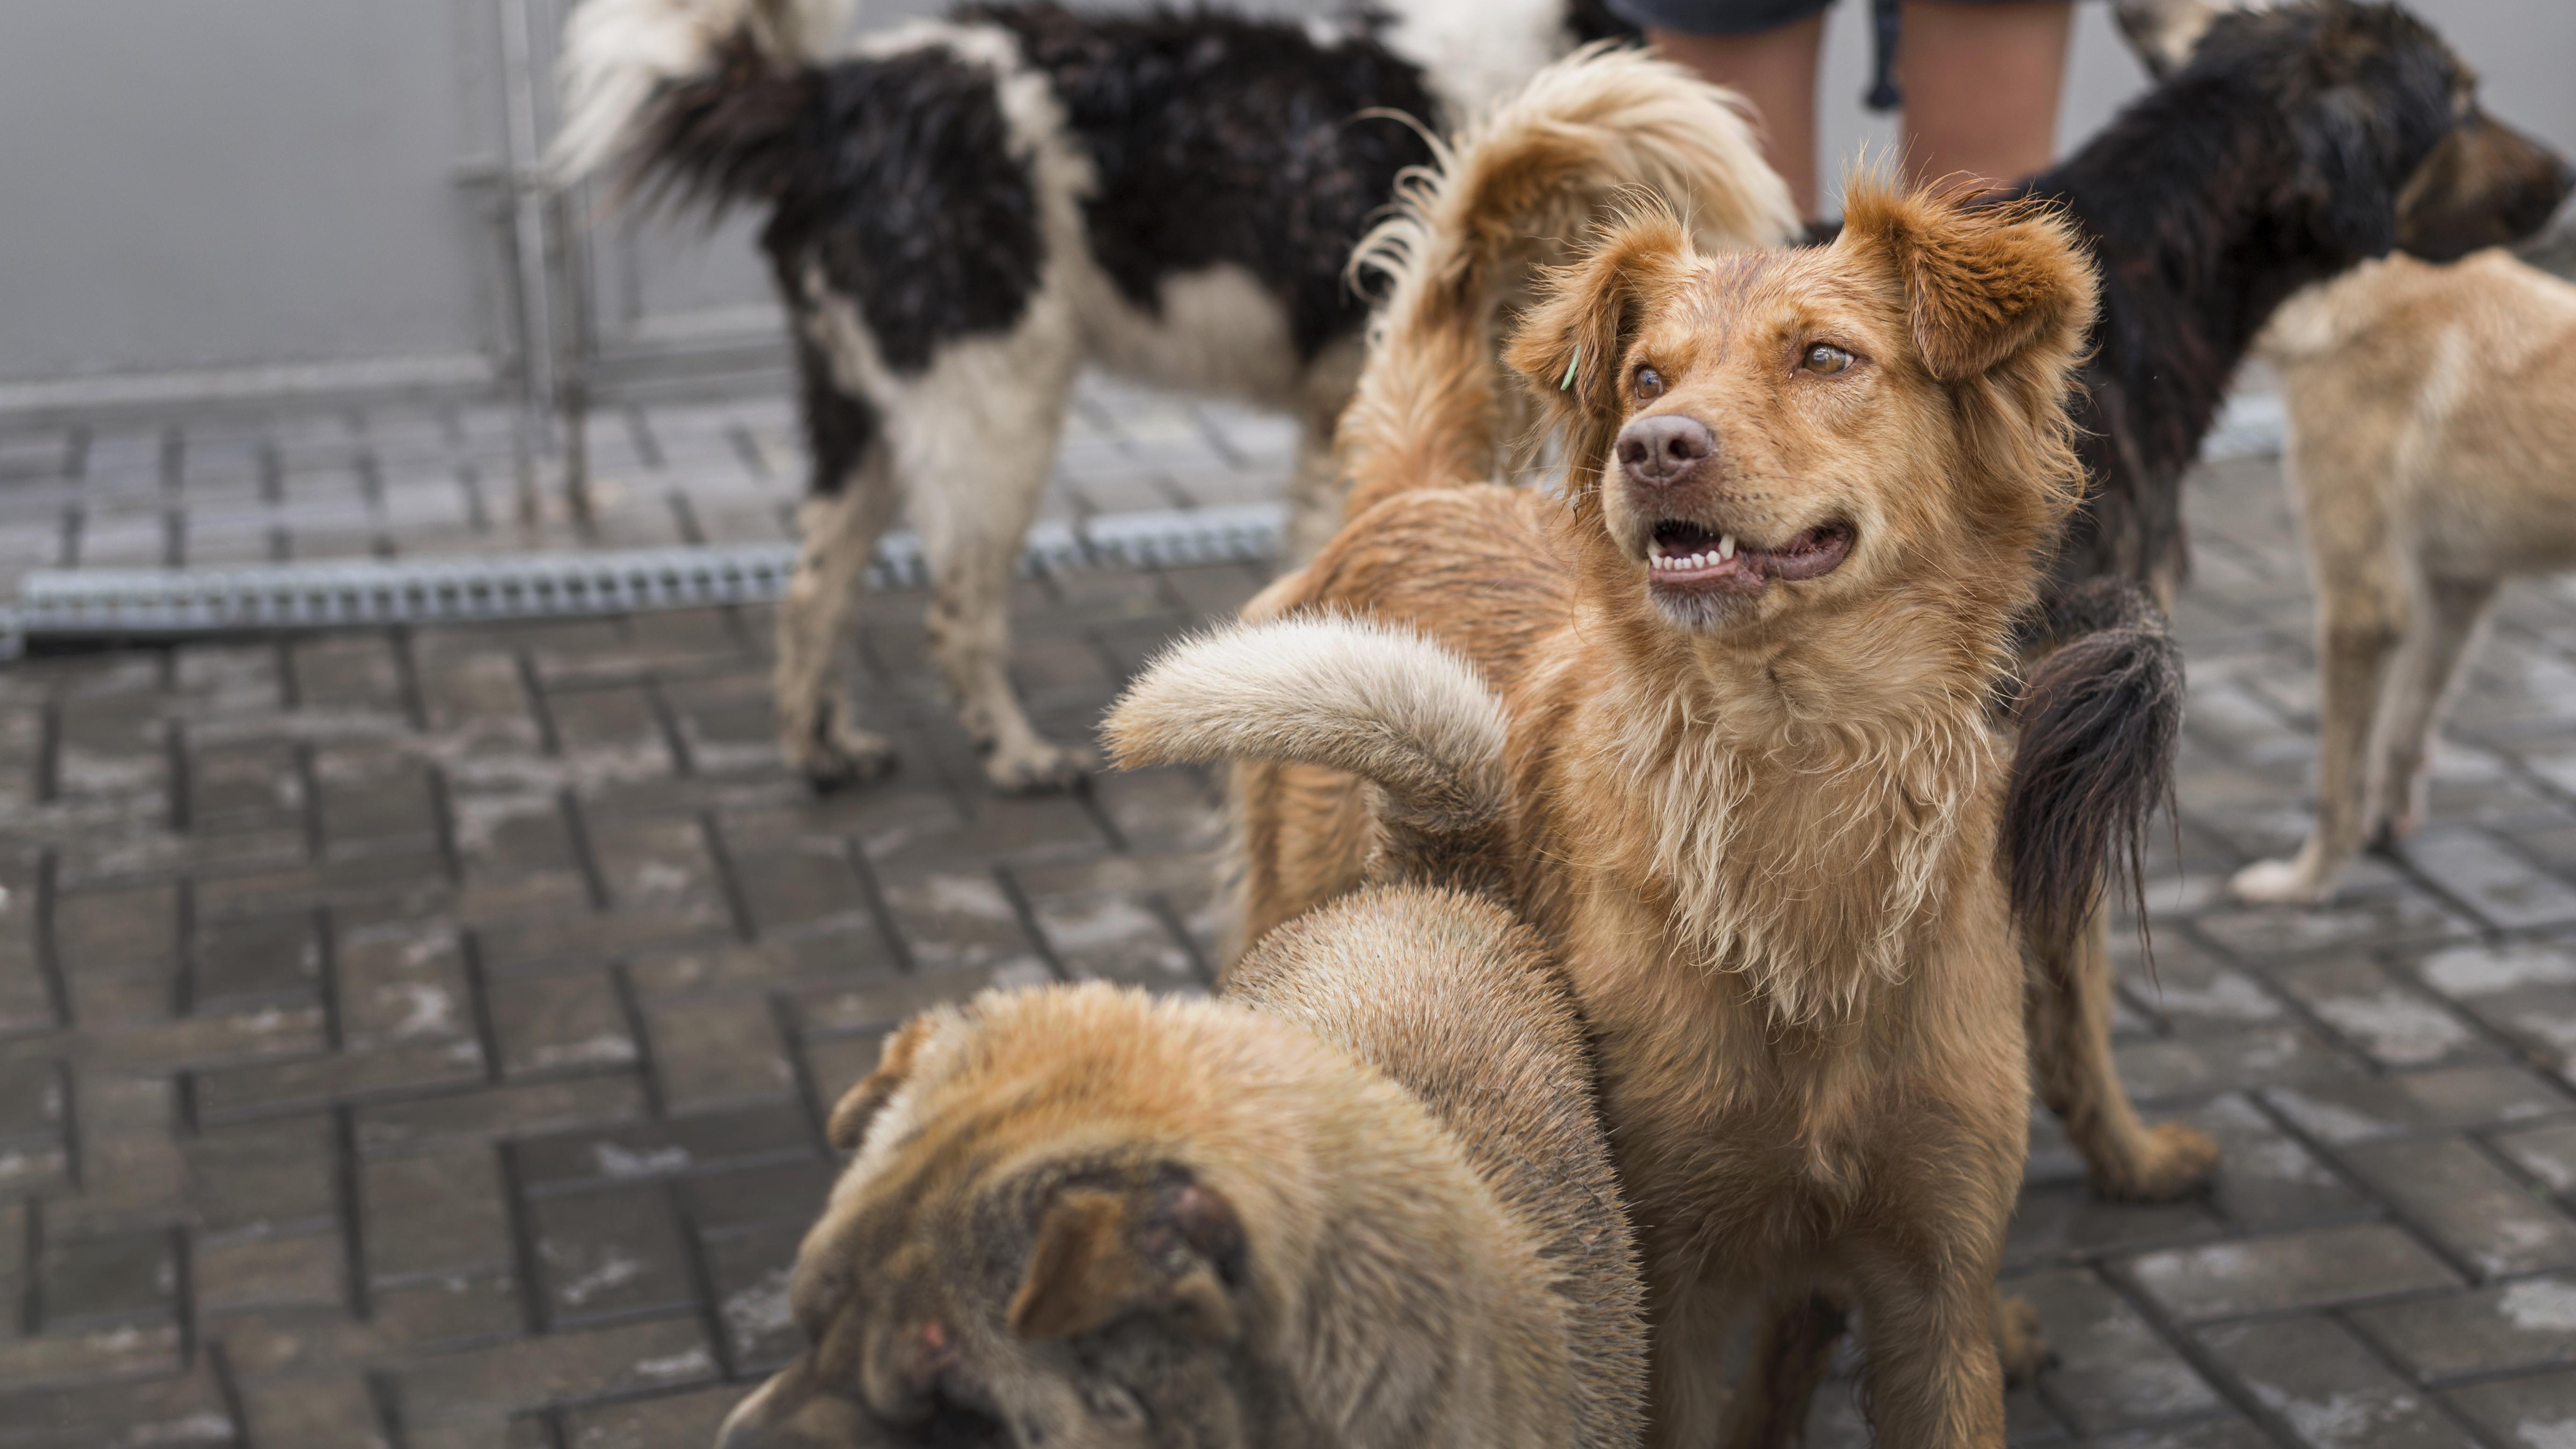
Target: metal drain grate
(66, 605)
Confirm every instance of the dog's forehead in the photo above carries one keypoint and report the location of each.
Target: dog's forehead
(1737, 294)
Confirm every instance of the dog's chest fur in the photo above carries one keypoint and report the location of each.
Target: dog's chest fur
(1793, 950)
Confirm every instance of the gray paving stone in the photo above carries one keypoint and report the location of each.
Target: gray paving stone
(2327, 1389)
(2315, 1268)
(2530, 1413)
(458, 1019)
(2526, 1324)
(2113, 1370)
(2471, 1206)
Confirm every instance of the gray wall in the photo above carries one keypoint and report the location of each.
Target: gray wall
(209, 196)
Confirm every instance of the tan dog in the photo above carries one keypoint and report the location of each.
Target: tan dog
(1368, 1202)
(2432, 455)
(1757, 792)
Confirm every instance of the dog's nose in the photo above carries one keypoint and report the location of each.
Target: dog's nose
(1663, 449)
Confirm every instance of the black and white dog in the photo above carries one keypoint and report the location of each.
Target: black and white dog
(962, 213)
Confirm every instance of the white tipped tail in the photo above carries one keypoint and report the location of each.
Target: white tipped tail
(1519, 190)
(1380, 702)
(618, 53)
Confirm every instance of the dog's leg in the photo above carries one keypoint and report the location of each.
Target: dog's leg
(1686, 1380)
(852, 501)
(2419, 691)
(2070, 1046)
(1934, 1379)
(982, 464)
(2362, 617)
(1779, 1385)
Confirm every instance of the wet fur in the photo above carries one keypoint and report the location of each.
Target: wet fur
(1366, 1200)
(1766, 855)
(2282, 147)
(961, 214)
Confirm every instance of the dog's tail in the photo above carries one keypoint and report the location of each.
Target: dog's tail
(1517, 191)
(1381, 702)
(2100, 717)
(699, 98)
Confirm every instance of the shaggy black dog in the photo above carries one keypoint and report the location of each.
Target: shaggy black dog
(2295, 143)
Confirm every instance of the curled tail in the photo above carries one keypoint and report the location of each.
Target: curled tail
(2100, 718)
(1380, 702)
(1519, 190)
(700, 97)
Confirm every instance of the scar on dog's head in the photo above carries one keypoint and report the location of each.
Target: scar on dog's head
(2393, 149)
(1762, 432)
(976, 1273)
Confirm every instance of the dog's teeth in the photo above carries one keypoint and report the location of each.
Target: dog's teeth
(1697, 561)
(1726, 546)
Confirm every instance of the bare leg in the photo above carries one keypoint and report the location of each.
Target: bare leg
(852, 501)
(1981, 83)
(2361, 623)
(2070, 1048)
(2419, 690)
(1775, 70)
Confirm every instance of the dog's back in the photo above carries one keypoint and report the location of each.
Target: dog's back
(1453, 999)
(2434, 409)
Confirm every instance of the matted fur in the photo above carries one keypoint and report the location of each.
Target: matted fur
(1367, 1201)
(2432, 456)
(1517, 191)
(1763, 839)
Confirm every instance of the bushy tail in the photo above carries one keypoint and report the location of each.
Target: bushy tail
(1516, 191)
(701, 97)
(2100, 718)
(1377, 701)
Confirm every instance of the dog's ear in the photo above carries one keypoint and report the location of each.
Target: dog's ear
(1982, 284)
(2162, 33)
(1173, 1248)
(859, 1106)
(1570, 343)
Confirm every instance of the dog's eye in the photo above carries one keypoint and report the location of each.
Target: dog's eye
(1825, 359)
(1649, 384)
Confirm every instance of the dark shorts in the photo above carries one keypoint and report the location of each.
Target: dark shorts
(1720, 17)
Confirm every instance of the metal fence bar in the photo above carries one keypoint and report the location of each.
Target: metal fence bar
(105, 605)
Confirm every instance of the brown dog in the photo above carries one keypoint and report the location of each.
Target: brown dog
(1368, 1202)
(2433, 455)
(1747, 668)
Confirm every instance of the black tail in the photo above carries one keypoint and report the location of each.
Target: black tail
(2100, 718)
(737, 135)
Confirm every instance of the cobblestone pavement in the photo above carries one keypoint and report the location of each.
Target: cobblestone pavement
(410, 480)
(420, 1039)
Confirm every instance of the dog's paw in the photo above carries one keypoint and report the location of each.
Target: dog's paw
(2277, 883)
(837, 759)
(1038, 770)
(2021, 1343)
(2175, 1162)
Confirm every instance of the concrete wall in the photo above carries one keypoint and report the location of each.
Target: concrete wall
(196, 187)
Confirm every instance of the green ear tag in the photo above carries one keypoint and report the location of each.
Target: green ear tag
(1571, 364)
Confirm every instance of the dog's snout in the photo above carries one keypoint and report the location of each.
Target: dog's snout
(1664, 448)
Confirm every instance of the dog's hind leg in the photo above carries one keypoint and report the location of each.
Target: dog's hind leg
(2419, 689)
(2070, 1045)
(976, 453)
(2364, 613)
(851, 501)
